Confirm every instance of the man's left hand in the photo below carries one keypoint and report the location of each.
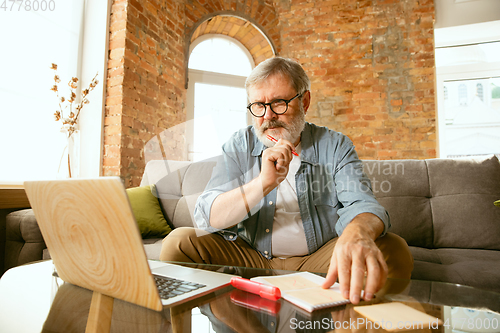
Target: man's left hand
(355, 254)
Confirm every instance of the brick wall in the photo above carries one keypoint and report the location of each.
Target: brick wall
(372, 70)
(145, 92)
(146, 96)
(371, 65)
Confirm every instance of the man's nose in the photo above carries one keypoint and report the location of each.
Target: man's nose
(269, 114)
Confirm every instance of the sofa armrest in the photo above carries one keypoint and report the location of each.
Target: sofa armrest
(24, 242)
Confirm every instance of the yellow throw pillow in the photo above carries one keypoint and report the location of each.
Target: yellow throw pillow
(147, 211)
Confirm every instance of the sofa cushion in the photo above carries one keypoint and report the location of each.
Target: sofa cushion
(152, 247)
(411, 219)
(462, 266)
(402, 187)
(147, 211)
(24, 241)
(463, 192)
(422, 197)
(179, 184)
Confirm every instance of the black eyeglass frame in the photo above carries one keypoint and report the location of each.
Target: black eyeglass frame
(249, 106)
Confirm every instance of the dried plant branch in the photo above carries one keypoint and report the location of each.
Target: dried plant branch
(66, 105)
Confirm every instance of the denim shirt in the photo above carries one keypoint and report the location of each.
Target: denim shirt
(330, 184)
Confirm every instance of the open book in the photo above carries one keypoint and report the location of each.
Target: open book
(304, 290)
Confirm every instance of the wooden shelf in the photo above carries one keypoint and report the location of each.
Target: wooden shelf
(13, 196)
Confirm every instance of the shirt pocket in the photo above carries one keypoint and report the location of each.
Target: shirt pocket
(326, 207)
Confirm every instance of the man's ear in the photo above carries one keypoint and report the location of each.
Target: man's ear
(306, 101)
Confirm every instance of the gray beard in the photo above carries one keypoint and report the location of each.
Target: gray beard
(292, 131)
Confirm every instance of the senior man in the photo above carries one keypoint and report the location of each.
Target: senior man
(301, 203)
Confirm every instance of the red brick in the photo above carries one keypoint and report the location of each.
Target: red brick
(371, 96)
(396, 102)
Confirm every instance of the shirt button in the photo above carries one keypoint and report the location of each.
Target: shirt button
(267, 230)
(231, 236)
(270, 203)
(265, 252)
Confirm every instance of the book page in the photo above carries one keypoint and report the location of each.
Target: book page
(304, 290)
(291, 282)
(317, 296)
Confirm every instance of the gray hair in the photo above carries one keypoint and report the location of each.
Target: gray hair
(287, 68)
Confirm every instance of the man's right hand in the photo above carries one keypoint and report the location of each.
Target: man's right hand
(275, 162)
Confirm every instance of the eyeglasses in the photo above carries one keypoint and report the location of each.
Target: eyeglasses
(278, 106)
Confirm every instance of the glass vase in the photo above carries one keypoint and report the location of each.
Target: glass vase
(69, 163)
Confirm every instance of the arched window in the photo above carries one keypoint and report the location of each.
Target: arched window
(480, 91)
(218, 67)
(462, 94)
(220, 54)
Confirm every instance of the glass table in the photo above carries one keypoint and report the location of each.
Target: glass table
(32, 299)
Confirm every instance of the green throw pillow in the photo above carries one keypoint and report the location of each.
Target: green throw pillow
(147, 211)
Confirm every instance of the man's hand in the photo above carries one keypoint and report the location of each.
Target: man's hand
(356, 253)
(275, 161)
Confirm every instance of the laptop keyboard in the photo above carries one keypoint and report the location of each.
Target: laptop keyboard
(170, 287)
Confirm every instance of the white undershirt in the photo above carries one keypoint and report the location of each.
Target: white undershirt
(288, 238)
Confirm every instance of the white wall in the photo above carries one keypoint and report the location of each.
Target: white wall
(450, 13)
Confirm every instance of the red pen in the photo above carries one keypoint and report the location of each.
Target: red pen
(274, 140)
(263, 290)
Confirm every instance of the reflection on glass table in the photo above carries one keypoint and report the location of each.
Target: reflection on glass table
(34, 300)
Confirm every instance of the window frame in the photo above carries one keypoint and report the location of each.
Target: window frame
(93, 52)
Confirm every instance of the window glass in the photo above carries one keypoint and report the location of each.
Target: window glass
(462, 94)
(224, 115)
(468, 82)
(480, 92)
(30, 142)
(473, 123)
(217, 97)
(220, 55)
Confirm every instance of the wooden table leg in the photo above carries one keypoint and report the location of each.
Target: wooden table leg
(101, 310)
(180, 320)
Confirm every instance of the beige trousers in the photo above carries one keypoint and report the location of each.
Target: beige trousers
(194, 245)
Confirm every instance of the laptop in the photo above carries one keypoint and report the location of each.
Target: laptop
(95, 243)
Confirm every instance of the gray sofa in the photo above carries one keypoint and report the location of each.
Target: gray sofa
(443, 208)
